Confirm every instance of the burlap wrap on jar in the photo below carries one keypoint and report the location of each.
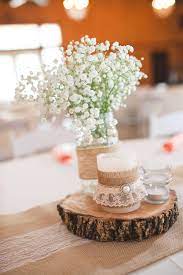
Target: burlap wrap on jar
(125, 196)
(119, 191)
(87, 159)
(117, 178)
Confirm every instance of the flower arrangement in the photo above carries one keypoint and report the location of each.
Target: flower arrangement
(89, 82)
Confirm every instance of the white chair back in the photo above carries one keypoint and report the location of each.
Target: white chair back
(166, 125)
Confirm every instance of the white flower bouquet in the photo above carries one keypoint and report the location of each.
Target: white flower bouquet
(89, 81)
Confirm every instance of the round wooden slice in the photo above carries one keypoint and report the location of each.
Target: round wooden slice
(86, 219)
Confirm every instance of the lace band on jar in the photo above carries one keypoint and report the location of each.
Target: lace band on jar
(120, 196)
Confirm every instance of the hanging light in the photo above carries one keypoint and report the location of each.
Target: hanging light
(76, 9)
(18, 3)
(163, 8)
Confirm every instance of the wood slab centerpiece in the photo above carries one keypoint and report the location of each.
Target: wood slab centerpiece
(84, 218)
(110, 215)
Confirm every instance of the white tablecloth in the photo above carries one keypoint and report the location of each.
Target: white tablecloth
(39, 179)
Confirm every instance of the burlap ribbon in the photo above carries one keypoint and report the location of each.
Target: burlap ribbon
(118, 178)
(87, 161)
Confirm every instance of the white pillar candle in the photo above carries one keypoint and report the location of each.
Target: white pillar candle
(116, 162)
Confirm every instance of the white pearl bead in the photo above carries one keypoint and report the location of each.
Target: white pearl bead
(126, 189)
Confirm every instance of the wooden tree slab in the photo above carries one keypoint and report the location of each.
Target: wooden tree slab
(84, 218)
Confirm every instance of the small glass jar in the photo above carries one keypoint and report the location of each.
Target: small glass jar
(156, 182)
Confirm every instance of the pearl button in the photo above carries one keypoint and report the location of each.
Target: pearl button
(126, 189)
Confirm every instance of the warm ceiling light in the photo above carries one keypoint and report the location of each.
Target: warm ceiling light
(77, 4)
(163, 8)
(76, 9)
(18, 3)
(81, 4)
(162, 4)
(68, 4)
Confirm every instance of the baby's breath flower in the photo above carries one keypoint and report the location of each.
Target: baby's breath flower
(85, 106)
(88, 81)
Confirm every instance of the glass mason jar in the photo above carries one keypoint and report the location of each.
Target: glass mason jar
(105, 133)
(101, 140)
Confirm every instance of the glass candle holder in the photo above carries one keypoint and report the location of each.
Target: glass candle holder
(156, 182)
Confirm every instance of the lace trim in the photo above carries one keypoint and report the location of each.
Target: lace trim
(120, 196)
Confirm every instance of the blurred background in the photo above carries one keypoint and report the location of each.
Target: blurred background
(31, 32)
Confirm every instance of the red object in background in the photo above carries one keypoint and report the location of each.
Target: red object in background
(173, 143)
(63, 153)
(64, 158)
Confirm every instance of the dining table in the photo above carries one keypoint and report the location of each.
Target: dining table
(31, 185)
